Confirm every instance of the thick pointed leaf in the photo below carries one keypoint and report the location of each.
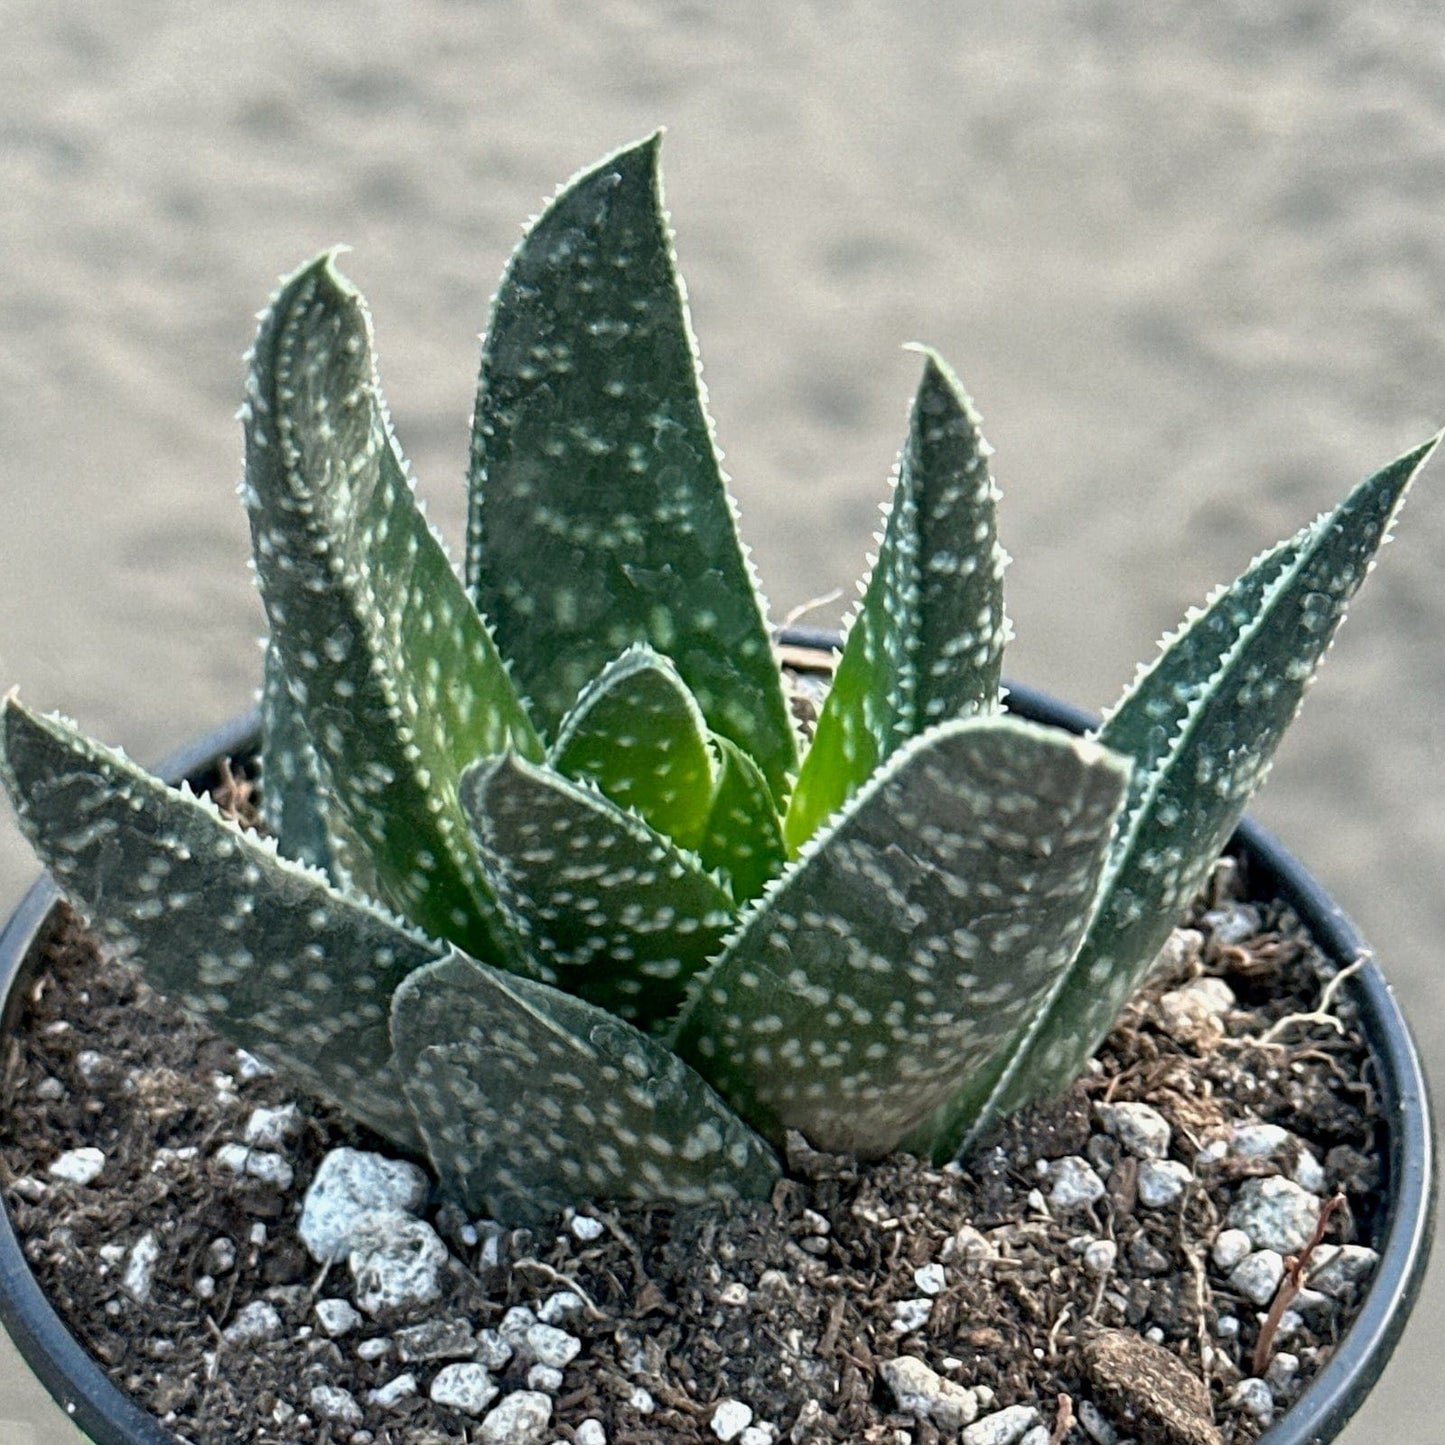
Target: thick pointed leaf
(296, 804)
(910, 943)
(927, 641)
(637, 735)
(387, 663)
(531, 1100)
(1199, 787)
(611, 910)
(599, 516)
(262, 948)
(743, 837)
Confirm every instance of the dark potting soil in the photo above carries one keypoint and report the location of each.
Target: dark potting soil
(793, 1309)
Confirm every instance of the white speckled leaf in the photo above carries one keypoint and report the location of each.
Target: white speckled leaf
(1199, 788)
(262, 948)
(743, 836)
(926, 643)
(599, 516)
(531, 1100)
(610, 909)
(912, 940)
(636, 734)
(391, 670)
(295, 804)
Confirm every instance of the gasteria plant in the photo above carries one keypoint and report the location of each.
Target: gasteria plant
(549, 896)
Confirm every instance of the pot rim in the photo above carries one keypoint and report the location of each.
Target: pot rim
(82, 1388)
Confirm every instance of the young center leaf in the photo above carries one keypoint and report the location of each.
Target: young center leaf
(912, 940)
(926, 643)
(391, 671)
(743, 835)
(262, 948)
(531, 1100)
(1198, 787)
(609, 908)
(638, 736)
(598, 514)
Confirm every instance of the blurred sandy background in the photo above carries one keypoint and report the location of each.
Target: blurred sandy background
(1187, 257)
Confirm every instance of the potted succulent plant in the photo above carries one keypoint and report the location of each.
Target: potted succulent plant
(552, 894)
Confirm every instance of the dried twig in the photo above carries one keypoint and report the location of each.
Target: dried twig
(1063, 1421)
(1321, 1014)
(557, 1277)
(1290, 1286)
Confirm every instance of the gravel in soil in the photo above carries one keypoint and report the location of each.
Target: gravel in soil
(1081, 1267)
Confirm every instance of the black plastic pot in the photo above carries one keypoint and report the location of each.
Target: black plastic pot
(85, 1392)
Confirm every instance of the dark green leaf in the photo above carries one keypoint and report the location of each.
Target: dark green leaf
(531, 1100)
(1200, 784)
(927, 641)
(743, 836)
(599, 516)
(393, 673)
(637, 735)
(611, 910)
(911, 941)
(262, 948)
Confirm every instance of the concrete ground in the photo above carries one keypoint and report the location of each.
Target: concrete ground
(1187, 258)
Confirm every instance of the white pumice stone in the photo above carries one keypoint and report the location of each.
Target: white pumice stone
(1140, 1128)
(435, 1340)
(1254, 1398)
(377, 1348)
(140, 1267)
(337, 1317)
(391, 1394)
(641, 1400)
(272, 1128)
(520, 1419)
(349, 1185)
(550, 1346)
(591, 1432)
(249, 1067)
(1230, 1246)
(1162, 1181)
(1309, 1173)
(1344, 1269)
(968, 1245)
(1253, 1140)
(515, 1324)
(924, 1393)
(77, 1166)
(1039, 1435)
(492, 1350)
(332, 1403)
(544, 1377)
(1233, 923)
(910, 1315)
(1282, 1371)
(1100, 1255)
(1003, 1427)
(558, 1308)
(396, 1261)
(257, 1322)
(585, 1228)
(1257, 1275)
(730, 1419)
(1275, 1213)
(467, 1388)
(1096, 1427)
(261, 1164)
(930, 1279)
(1226, 1327)
(1075, 1183)
(763, 1433)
